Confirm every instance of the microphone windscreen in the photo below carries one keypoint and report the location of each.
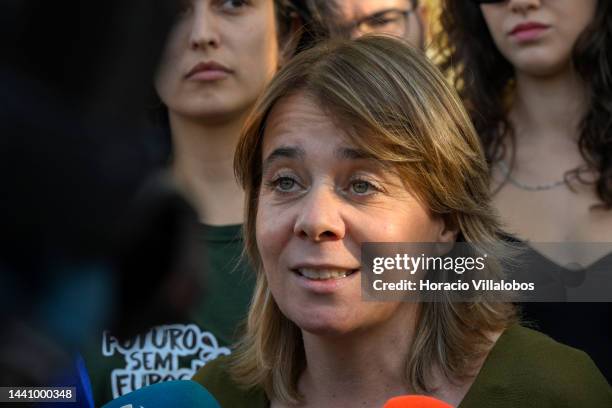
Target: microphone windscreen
(415, 401)
(175, 394)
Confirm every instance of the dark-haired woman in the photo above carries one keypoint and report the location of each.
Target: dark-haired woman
(536, 77)
(218, 58)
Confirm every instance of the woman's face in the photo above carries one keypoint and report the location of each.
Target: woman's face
(218, 58)
(538, 36)
(320, 199)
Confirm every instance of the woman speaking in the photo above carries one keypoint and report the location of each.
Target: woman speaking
(357, 142)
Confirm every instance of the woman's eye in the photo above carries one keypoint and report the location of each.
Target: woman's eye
(285, 184)
(233, 4)
(362, 187)
(380, 22)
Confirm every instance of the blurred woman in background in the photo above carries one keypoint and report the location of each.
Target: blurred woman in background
(218, 58)
(536, 78)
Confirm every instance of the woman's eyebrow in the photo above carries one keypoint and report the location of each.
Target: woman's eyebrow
(349, 153)
(283, 152)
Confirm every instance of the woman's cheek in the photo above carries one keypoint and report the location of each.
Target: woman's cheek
(257, 40)
(273, 229)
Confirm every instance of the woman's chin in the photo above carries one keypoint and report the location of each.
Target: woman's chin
(541, 65)
(332, 326)
(325, 331)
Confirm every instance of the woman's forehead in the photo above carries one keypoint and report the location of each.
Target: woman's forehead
(301, 123)
(297, 117)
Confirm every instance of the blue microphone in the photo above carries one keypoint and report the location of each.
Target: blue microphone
(176, 394)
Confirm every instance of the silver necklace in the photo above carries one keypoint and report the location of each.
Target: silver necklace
(527, 187)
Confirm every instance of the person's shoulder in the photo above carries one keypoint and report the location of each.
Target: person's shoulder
(536, 351)
(214, 374)
(216, 378)
(537, 366)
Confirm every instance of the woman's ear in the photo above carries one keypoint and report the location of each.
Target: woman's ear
(448, 231)
(447, 234)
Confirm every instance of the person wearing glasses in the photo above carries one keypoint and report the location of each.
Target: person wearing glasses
(402, 18)
(536, 78)
(364, 141)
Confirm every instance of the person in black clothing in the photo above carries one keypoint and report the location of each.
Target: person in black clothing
(85, 220)
(535, 76)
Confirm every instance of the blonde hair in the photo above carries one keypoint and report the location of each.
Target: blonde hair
(398, 108)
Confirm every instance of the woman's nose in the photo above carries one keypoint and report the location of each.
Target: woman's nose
(204, 30)
(320, 218)
(523, 6)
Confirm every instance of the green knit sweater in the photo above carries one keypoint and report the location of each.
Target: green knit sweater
(524, 369)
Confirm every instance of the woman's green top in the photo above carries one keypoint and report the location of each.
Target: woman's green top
(523, 369)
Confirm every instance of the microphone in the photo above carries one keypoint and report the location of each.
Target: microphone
(176, 394)
(415, 401)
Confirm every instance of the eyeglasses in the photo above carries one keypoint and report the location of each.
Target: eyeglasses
(389, 21)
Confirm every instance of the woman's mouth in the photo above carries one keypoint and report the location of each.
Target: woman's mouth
(528, 31)
(208, 71)
(324, 274)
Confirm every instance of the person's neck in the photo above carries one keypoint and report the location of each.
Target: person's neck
(359, 369)
(546, 114)
(548, 107)
(202, 165)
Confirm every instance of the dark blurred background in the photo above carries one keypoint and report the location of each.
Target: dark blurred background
(86, 212)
